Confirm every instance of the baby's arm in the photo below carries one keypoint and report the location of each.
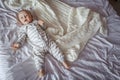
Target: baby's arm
(20, 40)
(40, 22)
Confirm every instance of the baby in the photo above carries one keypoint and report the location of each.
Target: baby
(38, 39)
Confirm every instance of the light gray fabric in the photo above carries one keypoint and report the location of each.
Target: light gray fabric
(99, 60)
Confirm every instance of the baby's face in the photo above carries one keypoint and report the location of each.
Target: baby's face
(25, 17)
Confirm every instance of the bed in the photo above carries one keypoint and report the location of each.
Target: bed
(87, 31)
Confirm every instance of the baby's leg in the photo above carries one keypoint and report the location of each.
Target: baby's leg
(57, 53)
(39, 62)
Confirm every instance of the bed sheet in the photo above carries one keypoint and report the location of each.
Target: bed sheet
(99, 60)
(72, 27)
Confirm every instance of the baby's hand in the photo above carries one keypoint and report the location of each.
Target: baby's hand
(66, 65)
(15, 46)
(40, 22)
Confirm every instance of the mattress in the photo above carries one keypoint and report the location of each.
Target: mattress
(87, 31)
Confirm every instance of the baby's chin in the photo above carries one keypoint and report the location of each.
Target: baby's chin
(27, 22)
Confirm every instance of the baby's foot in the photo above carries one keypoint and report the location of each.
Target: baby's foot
(65, 64)
(41, 73)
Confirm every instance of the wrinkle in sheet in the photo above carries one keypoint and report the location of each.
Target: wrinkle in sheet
(104, 67)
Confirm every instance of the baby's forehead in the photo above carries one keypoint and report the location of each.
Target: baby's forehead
(22, 12)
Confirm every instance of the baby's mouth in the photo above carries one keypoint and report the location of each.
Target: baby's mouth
(25, 20)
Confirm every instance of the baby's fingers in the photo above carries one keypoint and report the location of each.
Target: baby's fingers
(14, 48)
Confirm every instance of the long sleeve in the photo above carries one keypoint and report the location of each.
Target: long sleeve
(21, 36)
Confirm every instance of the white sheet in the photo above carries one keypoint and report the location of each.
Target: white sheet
(99, 60)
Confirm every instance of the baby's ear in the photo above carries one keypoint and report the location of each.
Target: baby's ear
(19, 23)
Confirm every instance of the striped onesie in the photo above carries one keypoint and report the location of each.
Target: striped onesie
(40, 42)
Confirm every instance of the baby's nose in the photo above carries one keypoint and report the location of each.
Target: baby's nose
(24, 18)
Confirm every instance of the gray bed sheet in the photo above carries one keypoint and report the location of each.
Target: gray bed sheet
(100, 59)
